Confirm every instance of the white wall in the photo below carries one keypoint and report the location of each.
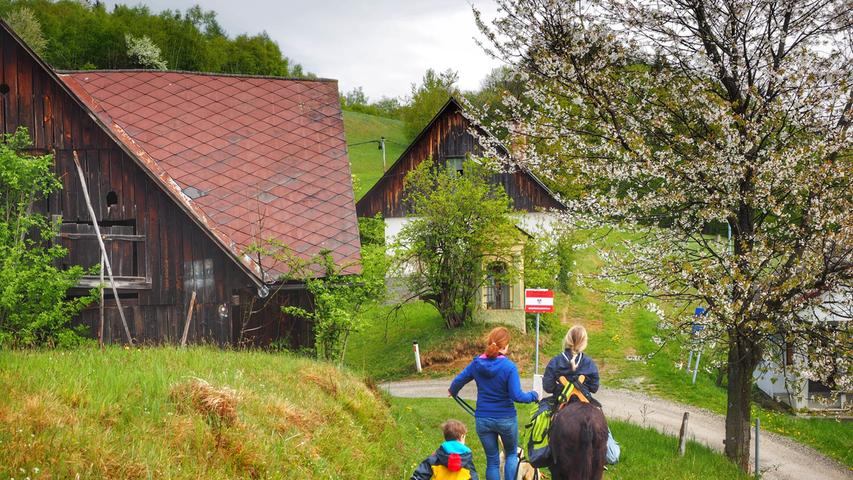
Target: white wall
(771, 379)
(535, 223)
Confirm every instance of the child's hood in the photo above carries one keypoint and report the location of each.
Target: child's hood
(454, 455)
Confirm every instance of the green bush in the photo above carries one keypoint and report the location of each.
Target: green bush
(34, 307)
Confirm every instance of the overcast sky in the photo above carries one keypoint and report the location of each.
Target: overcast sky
(381, 45)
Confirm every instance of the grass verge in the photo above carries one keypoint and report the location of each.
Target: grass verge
(383, 350)
(646, 453)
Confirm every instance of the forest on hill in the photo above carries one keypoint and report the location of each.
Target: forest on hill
(89, 35)
(82, 35)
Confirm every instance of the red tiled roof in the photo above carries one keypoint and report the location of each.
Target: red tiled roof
(255, 157)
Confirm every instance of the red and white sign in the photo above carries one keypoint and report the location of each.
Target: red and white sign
(538, 300)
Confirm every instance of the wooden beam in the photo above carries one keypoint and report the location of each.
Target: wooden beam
(124, 283)
(189, 319)
(101, 243)
(101, 307)
(106, 236)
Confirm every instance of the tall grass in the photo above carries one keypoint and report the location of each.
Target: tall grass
(115, 414)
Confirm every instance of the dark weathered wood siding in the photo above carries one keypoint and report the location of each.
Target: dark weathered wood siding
(168, 247)
(447, 136)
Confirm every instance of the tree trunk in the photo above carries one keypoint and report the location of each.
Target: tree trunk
(743, 358)
(446, 307)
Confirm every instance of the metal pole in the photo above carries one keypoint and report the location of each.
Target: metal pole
(689, 361)
(537, 344)
(695, 370)
(731, 247)
(757, 429)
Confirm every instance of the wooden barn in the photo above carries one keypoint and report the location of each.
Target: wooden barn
(185, 172)
(447, 140)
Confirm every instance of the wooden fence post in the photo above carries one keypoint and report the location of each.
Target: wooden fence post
(189, 319)
(682, 436)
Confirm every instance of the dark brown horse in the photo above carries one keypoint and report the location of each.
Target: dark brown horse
(578, 440)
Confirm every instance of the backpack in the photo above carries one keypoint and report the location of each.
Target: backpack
(440, 472)
(535, 439)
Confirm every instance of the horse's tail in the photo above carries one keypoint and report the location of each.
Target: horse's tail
(586, 451)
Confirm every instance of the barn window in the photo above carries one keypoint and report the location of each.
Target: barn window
(4, 89)
(112, 199)
(497, 287)
(125, 251)
(454, 164)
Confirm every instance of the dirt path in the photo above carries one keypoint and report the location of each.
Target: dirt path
(780, 459)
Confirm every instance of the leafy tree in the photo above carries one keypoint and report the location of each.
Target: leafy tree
(83, 35)
(34, 308)
(458, 224)
(338, 296)
(696, 113)
(435, 89)
(24, 22)
(356, 101)
(548, 261)
(354, 97)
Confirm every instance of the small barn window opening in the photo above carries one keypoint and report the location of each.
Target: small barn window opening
(4, 89)
(112, 199)
(454, 164)
(497, 287)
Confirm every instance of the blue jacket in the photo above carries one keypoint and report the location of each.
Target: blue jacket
(561, 366)
(498, 386)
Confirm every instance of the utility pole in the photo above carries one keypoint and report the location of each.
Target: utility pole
(382, 147)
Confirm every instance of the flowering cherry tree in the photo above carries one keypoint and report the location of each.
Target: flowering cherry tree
(681, 115)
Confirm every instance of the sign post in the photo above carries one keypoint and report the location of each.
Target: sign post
(538, 300)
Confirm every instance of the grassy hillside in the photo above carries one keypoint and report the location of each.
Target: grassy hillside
(208, 413)
(366, 158)
(139, 414)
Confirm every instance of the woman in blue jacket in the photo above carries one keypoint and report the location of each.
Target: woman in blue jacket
(498, 386)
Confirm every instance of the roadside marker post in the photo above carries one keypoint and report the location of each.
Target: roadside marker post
(538, 301)
(417, 356)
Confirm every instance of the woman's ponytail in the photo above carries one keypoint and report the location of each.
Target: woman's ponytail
(498, 339)
(575, 341)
